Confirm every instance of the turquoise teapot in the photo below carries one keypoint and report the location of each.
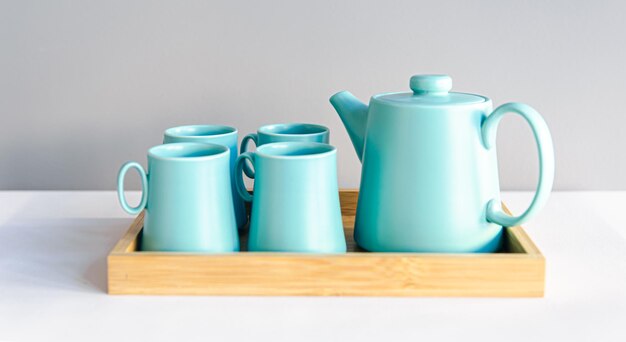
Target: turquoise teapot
(429, 180)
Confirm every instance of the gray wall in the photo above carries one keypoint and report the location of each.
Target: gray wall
(85, 86)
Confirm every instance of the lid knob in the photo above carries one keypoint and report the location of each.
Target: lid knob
(431, 84)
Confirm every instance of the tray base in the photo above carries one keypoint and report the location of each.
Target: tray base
(517, 271)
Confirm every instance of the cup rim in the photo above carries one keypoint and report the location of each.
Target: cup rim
(219, 151)
(329, 150)
(171, 132)
(265, 129)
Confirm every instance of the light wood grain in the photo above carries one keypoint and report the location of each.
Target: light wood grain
(516, 272)
(128, 242)
(518, 241)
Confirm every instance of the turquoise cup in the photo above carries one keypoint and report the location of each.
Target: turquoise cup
(187, 197)
(299, 132)
(212, 134)
(295, 203)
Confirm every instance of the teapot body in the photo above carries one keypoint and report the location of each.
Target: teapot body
(429, 181)
(426, 180)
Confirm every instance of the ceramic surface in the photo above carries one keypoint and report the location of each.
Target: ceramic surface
(215, 134)
(429, 179)
(187, 196)
(302, 132)
(295, 207)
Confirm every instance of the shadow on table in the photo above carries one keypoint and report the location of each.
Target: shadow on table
(68, 253)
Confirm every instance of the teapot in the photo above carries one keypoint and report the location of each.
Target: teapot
(429, 178)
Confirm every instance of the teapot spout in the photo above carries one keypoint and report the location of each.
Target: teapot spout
(353, 114)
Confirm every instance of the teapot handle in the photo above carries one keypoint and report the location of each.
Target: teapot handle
(545, 150)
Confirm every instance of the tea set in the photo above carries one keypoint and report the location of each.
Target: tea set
(429, 179)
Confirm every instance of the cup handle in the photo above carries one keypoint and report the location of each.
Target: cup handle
(239, 167)
(247, 169)
(545, 150)
(144, 188)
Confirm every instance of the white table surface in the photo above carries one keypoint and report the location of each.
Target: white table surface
(53, 248)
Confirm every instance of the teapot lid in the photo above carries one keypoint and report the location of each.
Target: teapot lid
(433, 90)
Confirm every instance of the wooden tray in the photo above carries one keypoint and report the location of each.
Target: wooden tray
(517, 271)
